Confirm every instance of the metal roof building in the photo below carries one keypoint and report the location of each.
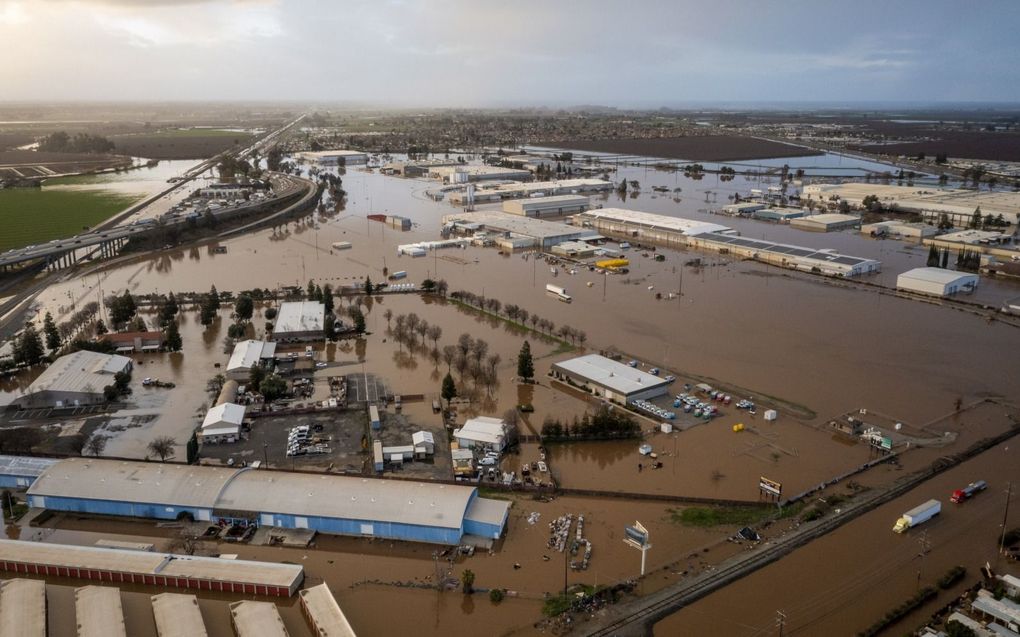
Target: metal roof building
(936, 281)
(554, 206)
(482, 431)
(827, 222)
(334, 504)
(646, 226)
(21, 471)
(543, 234)
(822, 261)
(23, 608)
(99, 612)
(333, 157)
(178, 615)
(222, 423)
(246, 355)
(323, 612)
(299, 321)
(149, 568)
(74, 379)
(610, 379)
(133, 489)
(257, 619)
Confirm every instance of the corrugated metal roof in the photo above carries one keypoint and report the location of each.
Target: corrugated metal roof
(225, 414)
(124, 481)
(325, 613)
(146, 562)
(257, 619)
(178, 615)
(99, 612)
(299, 316)
(80, 372)
(23, 608)
(620, 378)
(247, 353)
(25, 465)
(488, 511)
(329, 496)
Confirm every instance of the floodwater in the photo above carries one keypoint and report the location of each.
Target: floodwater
(370, 577)
(842, 582)
(829, 348)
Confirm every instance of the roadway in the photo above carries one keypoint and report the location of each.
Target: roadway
(111, 230)
(633, 617)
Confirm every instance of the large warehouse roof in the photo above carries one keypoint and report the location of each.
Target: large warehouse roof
(146, 562)
(936, 275)
(145, 482)
(618, 377)
(650, 220)
(25, 466)
(525, 226)
(300, 316)
(80, 372)
(333, 496)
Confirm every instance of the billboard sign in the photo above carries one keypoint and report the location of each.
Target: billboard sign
(637, 535)
(770, 486)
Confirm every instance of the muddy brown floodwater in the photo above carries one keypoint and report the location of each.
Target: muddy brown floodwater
(844, 581)
(829, 348)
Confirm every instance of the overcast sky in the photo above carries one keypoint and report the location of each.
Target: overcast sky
(511, 52)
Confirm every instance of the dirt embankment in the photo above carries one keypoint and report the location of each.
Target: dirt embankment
(693, 148)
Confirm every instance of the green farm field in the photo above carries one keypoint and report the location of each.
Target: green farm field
(33, 216)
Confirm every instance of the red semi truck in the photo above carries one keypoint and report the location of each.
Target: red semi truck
(968, 491)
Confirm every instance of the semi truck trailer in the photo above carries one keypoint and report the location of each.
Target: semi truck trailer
(968, 492)
(918, 515)
(558, 292)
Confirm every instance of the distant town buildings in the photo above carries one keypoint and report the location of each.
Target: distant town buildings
(333, 157)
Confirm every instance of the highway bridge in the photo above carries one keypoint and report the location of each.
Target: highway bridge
(107, 238)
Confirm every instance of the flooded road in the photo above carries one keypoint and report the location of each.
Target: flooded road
(842, 582)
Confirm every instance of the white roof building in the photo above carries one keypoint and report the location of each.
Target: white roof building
(482, 431)
(333, 157)
(424, 442)
(74, 379)
(246, 355)
(936, 281)
(628, 220)
(222, 423)
(299, 320)
(610, 379)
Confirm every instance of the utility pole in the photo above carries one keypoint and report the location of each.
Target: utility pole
(1005, 515)
(925, 547)
(780, 621)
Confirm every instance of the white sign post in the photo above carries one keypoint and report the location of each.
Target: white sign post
(637, 537)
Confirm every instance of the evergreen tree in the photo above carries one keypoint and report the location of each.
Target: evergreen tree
(51, 332)
(101, 328)
(368, 285)
(172, 337)
(310, 290)
(359, 320)
(933, 257)
(975, 220)
(214, 299)
(169, 310)
(327, 298)
(28, 348)
(945, 259)
(244, 308)
(449, 390)
(525, 364)
(122, 308)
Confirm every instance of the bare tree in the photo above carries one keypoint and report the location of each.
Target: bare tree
(494, 361)
(479, 350)
(449, 355)
(95, 445)
(435, 333)
(512, 419)
(464, 344)
(163, 446)
(388, 314)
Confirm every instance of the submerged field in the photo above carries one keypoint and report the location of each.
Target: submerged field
(33, 216)
(691, 148)
(180, 144)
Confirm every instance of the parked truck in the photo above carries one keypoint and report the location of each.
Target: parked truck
(968, 491)
(558, 292)
(918, 515)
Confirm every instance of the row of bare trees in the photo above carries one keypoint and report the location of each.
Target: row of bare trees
(521, 316)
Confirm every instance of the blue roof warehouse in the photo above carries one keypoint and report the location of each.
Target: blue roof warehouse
(342, 505)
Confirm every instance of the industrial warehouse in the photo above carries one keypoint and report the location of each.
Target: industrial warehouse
(484, 194)
(154, 569)
(677, 231)
(74, 380)
(417, 512)
(555, 206)
(936, 281)
(610, 379)
(299, 321)
(517, 232)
